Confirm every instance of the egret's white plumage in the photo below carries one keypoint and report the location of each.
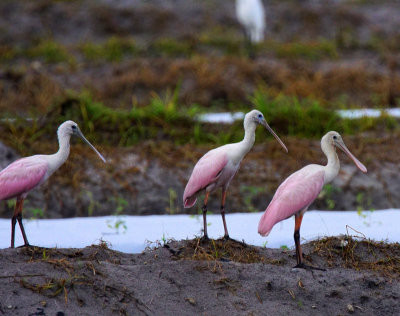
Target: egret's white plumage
(251, 15)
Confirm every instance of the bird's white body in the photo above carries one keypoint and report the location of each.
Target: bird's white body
(250, 13)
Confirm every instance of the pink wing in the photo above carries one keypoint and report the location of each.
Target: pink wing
(21, 176)
(204, 173)
(294, 194)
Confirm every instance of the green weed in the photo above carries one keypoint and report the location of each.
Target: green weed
(171, 48)
(112, 50)
(248, 193)
(51, 52)
(315, 50)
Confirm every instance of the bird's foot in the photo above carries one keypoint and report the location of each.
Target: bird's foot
(226, 238)
(307, 267)
(205, 239)
(26, 245)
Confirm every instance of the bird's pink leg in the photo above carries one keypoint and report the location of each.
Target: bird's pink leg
(205, 236)
(17, 216)
(226, 236)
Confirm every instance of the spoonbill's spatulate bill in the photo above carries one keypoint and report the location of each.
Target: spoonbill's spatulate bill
(298, 191)
(23, 175)
(218, 166)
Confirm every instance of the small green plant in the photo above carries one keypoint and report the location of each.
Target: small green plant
(327, 195)
(51, 52)
(299, 304)
(35, 213)
(315, 50)
(284, 247)
(172, 196)
(264, 245)
(118, 223)
(163, 240)
(113, 50)
(92, 203)
(361, 201)
(171, 47)
(248, 193)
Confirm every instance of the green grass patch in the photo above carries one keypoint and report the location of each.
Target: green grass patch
(170, 47)
(112, 50)
(315, 50)
(50, 51)
(309, 118)
(164, 119)
(221, 39)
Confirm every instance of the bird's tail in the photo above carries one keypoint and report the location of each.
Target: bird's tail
(189, 201)
(265, 224)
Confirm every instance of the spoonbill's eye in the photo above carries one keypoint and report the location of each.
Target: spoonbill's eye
(260, 116)
(73, 126)
(334, 137)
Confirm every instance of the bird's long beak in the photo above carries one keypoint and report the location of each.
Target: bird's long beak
(79, 133)
(264, 123)
(343, 147)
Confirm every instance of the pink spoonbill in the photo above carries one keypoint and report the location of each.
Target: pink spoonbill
(25, 174)
(218, 166)
(298, 191)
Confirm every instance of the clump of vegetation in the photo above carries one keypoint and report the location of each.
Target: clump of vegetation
(112, 50)
(171, 48)
(164, 119)
(309, 118)
(51, 52)
(359, 254)
(294, 116)
(221, 250)
(223, 40)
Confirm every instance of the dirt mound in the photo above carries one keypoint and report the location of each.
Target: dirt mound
(194, 277)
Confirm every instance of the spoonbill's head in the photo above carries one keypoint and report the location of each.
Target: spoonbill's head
(334, 139)
(257, 117)
(69, 128)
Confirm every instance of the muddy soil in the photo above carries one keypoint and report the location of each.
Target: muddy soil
(196, 278)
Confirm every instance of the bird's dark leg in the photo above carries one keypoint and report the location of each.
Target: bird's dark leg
(17, 216)
(226, 236)
(13, 222)
(19, 219)
(299, 253)
(205, 236)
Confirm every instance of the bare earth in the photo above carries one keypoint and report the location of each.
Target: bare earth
(197, 278)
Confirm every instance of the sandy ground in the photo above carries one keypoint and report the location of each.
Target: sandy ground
(196, 278)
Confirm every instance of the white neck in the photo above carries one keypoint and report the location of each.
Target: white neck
(249, 138)
(57, 160)
(333, 165)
